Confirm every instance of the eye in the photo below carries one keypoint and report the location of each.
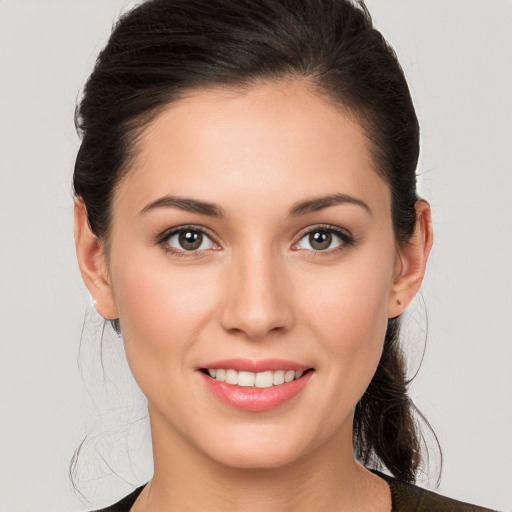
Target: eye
(323, 239)
(188, 240)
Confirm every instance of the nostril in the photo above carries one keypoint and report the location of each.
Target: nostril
(256, 311)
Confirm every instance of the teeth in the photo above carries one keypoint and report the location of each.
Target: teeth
(264, 380)
(246, 379)
(278, 377)
(231, 377)
(258, 380)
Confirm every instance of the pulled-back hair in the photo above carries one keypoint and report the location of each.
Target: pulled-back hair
(164, 49)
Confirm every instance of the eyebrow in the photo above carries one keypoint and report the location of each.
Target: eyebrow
(212, 210)
(186, 204)
(319, 203)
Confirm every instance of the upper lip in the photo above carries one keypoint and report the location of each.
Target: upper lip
(255, 366)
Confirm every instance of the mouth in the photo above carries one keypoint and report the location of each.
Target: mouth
(256, 386)
(247, 379)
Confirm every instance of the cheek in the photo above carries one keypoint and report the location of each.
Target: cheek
(161, 309)
(349, 316)
(353, 298)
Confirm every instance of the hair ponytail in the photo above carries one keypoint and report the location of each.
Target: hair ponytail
(386, 429)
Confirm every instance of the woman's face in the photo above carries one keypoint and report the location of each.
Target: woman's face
(253, 235)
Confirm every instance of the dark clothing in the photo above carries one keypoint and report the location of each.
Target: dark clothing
(404, 498)
(125, 504)
(410, 498)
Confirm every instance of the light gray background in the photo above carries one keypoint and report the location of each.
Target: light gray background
(457, 56)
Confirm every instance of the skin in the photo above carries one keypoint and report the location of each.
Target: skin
(257, 290)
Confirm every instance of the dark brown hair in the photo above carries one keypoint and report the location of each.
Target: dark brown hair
(165, 48)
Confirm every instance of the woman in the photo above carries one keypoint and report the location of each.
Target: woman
(246, 216)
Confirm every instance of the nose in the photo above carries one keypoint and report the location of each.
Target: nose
(257, 302)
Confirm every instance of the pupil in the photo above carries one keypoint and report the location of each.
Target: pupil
(320, 240)
(190, 240)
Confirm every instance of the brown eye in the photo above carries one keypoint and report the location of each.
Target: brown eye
(189, 240)
(324, 239)
(320, 240)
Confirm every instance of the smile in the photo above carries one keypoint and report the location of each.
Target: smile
(255, 386)
(262, 380)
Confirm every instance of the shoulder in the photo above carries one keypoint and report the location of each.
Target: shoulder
(125, 504)
(408, 498)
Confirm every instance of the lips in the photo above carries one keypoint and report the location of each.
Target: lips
(255, 385)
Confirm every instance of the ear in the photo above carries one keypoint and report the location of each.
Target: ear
(90, 252)
(411, 262)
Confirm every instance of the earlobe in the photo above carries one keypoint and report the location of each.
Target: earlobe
(90, 252)
(412, 261)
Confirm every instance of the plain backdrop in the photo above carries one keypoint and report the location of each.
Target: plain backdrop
(457, 55)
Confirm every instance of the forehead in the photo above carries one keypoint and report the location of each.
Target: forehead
(273, 138)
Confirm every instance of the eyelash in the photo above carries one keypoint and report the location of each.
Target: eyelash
(347, 240)
(164, 238)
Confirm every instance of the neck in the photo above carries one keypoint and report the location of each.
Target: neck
(329, 478)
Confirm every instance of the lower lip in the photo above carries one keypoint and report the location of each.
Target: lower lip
(256, 399)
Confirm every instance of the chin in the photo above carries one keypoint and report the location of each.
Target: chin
(261, 450)
(253, 460)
